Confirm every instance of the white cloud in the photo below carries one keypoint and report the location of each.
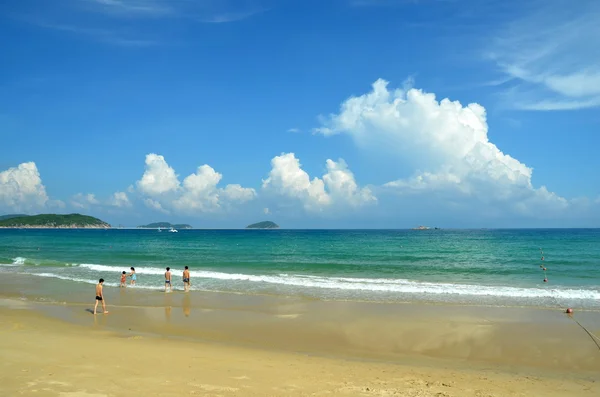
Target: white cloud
(238, 193)
(158, 178)
(155, 205)
(119, 199)
(266, 211)
(550, 57)
(293, 130)
(287, 178)
(56, 204)
(198, 192)
(342, 186)
(21, 188)
(84, 201)
(446, 143)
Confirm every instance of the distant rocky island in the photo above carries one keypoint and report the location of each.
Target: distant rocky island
(165, 225)
(52, 221)
(263, 225)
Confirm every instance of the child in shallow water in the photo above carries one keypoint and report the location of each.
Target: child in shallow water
(132, 275)
(123, 279)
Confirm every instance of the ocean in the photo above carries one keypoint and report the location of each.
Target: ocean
(483, 267)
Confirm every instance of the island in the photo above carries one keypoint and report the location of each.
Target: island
(165, 225)
(263, 225)
(54, 221)
(425, 228)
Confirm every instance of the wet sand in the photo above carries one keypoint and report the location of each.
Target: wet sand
(153, 343)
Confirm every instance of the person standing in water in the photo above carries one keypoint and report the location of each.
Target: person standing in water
(186, 279)
(132, 275)
(123, 279)
(100, 297)
(168, 280)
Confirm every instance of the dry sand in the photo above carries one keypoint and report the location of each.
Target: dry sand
(44, 356)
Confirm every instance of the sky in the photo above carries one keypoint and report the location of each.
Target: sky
(312, 114)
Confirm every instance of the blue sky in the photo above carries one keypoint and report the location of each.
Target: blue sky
(107, 106)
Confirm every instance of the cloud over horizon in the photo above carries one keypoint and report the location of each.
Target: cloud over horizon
(198, 193)
(337, 187)
(453, 167)
(446, 144)
(21, 189)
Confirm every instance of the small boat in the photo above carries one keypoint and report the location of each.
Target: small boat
(171, 230)
(421, 228)
(159, 229)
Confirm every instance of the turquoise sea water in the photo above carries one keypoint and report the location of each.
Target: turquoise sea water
(498, 267)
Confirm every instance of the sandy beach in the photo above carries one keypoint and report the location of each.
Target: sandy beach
(214, 344)
(46, 357)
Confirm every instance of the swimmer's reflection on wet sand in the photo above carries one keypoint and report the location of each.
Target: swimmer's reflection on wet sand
(186, 305)
(168, 307)
(99, 321)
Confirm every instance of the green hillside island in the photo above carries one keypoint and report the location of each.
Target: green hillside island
(54, 221)
(263, 225)
(165, 225)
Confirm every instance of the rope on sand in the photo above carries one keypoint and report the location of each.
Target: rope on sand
(595, 339)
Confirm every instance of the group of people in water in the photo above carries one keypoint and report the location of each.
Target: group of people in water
(168, 285)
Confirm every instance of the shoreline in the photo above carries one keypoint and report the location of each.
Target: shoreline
(432, 293)
(17, 289)
(534, 339)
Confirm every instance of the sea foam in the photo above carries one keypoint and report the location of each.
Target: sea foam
(383, 285)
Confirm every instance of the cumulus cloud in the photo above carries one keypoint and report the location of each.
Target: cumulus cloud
(119, 199)
(155, 205)
(198, 192)
(84, 201)
(238, 193)
(342, 186)
(158, 177)
(21, 188)
(287, 178)
(446, 142)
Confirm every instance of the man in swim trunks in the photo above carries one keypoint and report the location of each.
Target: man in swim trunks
(100, 297)
(186, 279)
(168, 280)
